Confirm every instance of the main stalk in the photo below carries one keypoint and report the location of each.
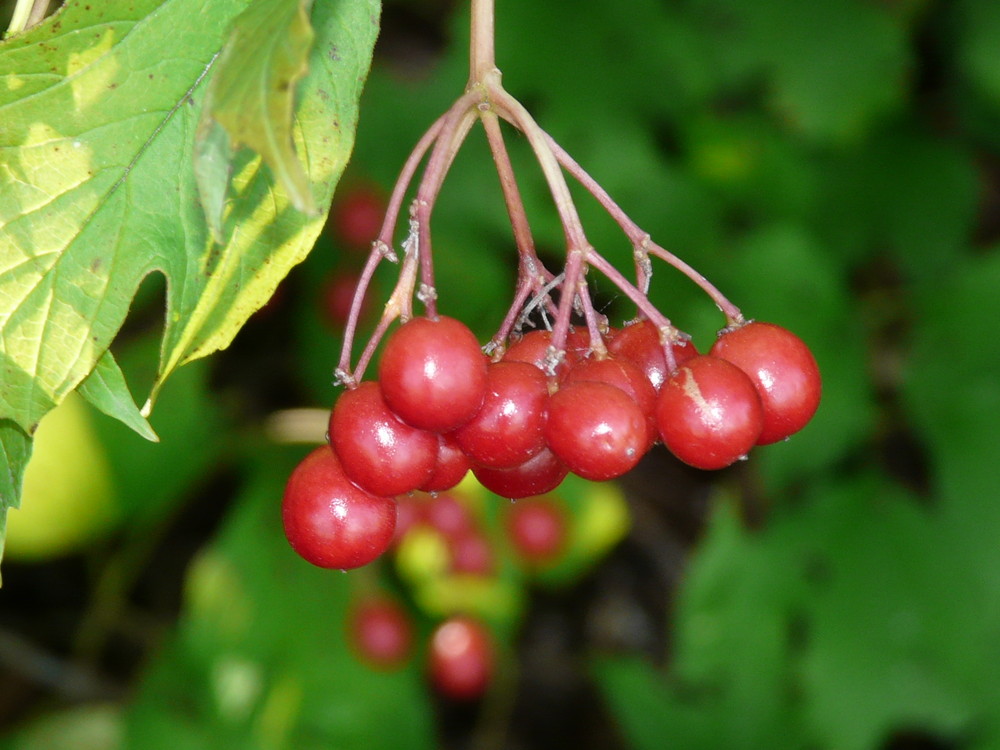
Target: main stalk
(482, 57)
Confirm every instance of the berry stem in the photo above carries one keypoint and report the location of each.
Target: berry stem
(640, 239)
(532, 274)
(405, 177)
(482, 58)
(457, 123)
(514, 112)
(668, 333)
(508, 183)
(382, 247)
(577, 245)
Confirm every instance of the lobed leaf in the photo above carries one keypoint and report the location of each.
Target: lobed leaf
(99, 111)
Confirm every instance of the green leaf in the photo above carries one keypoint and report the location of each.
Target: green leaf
(112, 94)
(213, 169)
(832, 68)
(951, 389)
(977, 23)
(649, 712)
(251, 94)
(15, 450)
(106, 389)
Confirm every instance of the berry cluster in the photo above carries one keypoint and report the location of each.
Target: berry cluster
(573, 395)
(440, 408)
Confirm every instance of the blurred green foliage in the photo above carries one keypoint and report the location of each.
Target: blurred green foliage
(833, 167)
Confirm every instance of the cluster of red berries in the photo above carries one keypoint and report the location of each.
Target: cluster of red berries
(460, 655)
(440, 407)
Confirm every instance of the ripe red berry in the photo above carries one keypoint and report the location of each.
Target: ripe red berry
(380, 632)
(640, 343)
(507, 431)
(709, 413)
(330, 521)
(460, 659)
(433, 373)
(541, 473)
(378, 451)
(450, 468)
(533, 347)
(356, 217)
(536, 528)
(596, 430)
(783, 370)
(624, 375)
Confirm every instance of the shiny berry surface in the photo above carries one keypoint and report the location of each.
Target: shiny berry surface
(533, 348)
(508, 430)
(640, 343)
(460, 659)
(597, 430)
(450, 467)
(783, 370)
(330, 521)
(709, 413)
(624, 375)
(378, 451)
(541, 473)
(433, 373)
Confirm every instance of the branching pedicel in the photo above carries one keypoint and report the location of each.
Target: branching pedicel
(486, 100)
(591, 400)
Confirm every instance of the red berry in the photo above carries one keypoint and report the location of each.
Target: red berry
(330, 521)
(507, 431)
(596, 430)
(640, 343)
(450, 468)
(381, 632)
(533, 348)
(433, 373)
(624, 375)
(378, 451)
(541, 473)
(460, 659)
(356, 217)
(536, 528)
(709, 413)
(782, 369)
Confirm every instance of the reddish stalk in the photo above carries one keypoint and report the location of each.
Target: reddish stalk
(640, 239)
